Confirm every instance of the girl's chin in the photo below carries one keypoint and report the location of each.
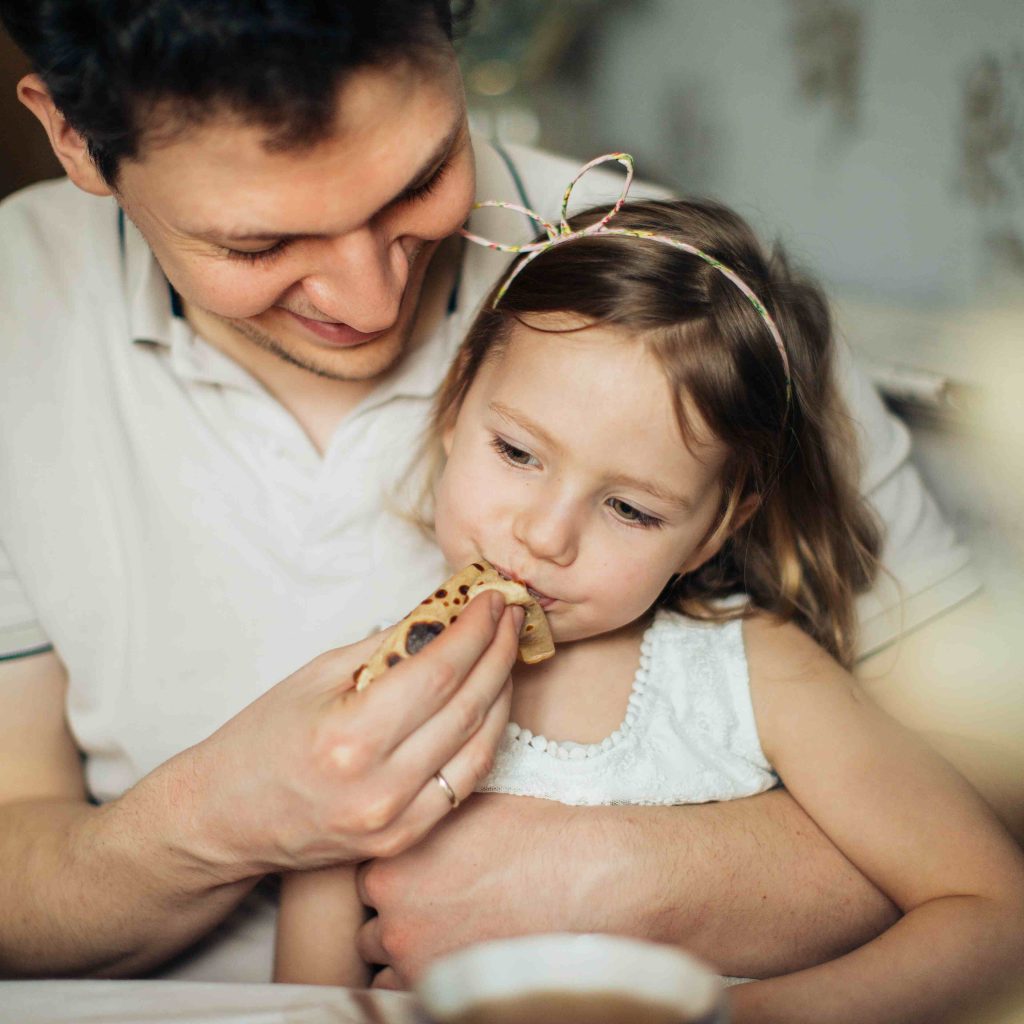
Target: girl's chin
(568, 633)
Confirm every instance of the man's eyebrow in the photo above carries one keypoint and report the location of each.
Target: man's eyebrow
(520, 419)
(432, 164)
(426, 171)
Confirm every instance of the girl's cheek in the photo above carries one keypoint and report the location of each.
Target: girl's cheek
(447, 518)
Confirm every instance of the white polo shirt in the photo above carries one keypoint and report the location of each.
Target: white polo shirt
(175, 536)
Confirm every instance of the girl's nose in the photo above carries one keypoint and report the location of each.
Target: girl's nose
(549, 531)
(359, 279)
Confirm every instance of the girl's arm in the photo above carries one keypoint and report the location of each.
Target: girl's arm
(909, 823)
(316, 928)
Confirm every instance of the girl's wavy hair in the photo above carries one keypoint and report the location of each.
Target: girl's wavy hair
(810, 544)
(127, 73)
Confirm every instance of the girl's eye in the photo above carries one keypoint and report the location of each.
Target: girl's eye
(510, 453)
(628, 514)
(259, 255)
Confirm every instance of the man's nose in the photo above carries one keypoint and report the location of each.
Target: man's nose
(359, 279)
(549, 528)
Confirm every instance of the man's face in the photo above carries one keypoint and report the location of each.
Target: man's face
(316, 255)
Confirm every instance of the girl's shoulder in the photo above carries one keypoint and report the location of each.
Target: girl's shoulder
(781, 651)
(794, 682)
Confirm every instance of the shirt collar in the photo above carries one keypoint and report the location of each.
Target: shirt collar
(151, 312)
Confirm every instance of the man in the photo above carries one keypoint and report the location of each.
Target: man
(218, 342)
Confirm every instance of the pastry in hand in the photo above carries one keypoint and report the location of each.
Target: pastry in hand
(435, 614)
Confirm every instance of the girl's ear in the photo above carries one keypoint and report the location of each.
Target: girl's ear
(713, 543)
(70, 147)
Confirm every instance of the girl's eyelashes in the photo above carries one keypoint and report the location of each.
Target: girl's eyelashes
(624, 512)
(510, 453)
(258, 255)
(634, 516)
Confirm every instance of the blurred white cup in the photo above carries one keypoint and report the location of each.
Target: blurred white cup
(568, 978)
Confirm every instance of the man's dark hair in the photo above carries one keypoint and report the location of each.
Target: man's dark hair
(123, 71)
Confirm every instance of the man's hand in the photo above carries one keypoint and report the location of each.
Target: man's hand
(752, 886)
(475, 877)
(314, 773)
(311, 773)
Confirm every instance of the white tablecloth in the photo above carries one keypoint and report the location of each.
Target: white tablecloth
(189, 1002)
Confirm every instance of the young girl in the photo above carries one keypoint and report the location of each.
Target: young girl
(642, 427)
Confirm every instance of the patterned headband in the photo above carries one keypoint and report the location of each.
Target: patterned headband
(564, 233)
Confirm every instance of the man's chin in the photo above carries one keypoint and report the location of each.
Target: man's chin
(354, 363)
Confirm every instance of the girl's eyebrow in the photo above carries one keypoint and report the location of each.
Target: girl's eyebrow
(520, 419)
(676, 501)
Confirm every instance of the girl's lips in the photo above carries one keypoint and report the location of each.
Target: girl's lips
(336, 334)
(542, 599)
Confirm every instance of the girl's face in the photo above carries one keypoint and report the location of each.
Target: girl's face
(567, 470)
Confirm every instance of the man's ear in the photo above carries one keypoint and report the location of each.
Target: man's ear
(710, 547)
(69, 146)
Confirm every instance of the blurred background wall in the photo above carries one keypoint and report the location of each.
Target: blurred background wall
(885, 140)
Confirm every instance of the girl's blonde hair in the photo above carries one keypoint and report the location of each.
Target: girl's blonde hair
(811, 543)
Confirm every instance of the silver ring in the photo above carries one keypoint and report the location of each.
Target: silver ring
(448, 791)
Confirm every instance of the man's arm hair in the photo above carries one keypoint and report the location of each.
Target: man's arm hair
(752, 886)
(86, 890)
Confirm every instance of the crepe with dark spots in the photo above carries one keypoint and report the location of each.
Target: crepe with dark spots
(436, 613)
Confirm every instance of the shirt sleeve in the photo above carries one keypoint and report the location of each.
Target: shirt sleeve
(20, 631)
(925, 569)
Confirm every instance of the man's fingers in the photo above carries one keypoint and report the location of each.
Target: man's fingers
(342, 678)
(435, 799)
(368, 943)
(451, 700)
(361, 889)
(460, 739)
(413, 691)
(389, 979)
(464, 763)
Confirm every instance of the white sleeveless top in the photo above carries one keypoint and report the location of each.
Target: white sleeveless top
(688, 735)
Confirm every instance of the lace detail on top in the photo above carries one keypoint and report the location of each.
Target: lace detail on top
(688, 735)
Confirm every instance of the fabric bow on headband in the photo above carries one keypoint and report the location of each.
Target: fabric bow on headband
(564, 233)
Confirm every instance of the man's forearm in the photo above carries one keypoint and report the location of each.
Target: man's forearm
(91, 891)
(752, 886)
